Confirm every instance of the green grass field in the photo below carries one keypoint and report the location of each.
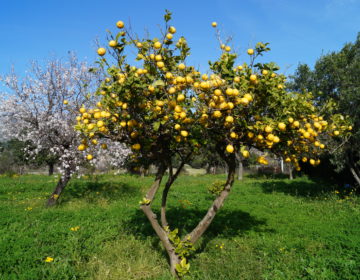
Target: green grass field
(267, 229)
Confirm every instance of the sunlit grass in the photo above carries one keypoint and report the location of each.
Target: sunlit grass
(269, 228)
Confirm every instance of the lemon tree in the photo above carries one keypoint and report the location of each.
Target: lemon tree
(162, 107)
(336, 77)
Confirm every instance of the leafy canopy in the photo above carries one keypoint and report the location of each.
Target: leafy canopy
(163, 106)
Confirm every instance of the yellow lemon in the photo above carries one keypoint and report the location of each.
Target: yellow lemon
(184, 133)
(181, 66)
(101, 51)
(282, 126)
(136, 146)
(120, 24)
(112, 43)
(230, 148)
(81, 147)
(157, 45)
(245, 154)
(172, 29)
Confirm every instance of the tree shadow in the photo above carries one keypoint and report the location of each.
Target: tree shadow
(93, 190)
(301, 188)
(260, 175)
(227, 223)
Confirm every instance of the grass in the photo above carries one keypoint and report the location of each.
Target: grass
(269, 228)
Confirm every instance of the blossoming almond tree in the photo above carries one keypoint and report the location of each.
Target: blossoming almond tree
(41, 108)
(163, 108)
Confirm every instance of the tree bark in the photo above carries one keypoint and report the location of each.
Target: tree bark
(172, 178)
(203, 225)
(355, 175)
(291, 177)
(160, 231)
(142, 172)
(51, 169)
(354, 171)
(208, 168)
(163, 235)
(240, 172)
(168, 184)
(21, 170)
(213, 170)
(59, 189)
(357, 171)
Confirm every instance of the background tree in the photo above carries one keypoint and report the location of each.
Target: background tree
(163, 108)
(209, 159)
(336, 77)
(12, 156)
(40, 110)
(16, 155)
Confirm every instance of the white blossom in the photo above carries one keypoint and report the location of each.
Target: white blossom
(34, 112)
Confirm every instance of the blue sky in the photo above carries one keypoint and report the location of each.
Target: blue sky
(298, 31)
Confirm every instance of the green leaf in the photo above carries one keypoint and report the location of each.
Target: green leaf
(158, 83)
(118, 36)
(156, 126)
(167, 15)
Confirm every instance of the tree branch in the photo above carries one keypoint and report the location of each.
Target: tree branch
(202, 226)
(155, 186)
(170, 181)
(160, 231)
(352, 167)
(338, 147)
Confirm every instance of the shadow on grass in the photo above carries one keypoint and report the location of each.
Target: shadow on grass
(93, 190)
(267, 176)
(299, 187)
(227, 223)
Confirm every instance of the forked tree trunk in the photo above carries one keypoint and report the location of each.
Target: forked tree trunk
(59, 189)
(162, 230)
